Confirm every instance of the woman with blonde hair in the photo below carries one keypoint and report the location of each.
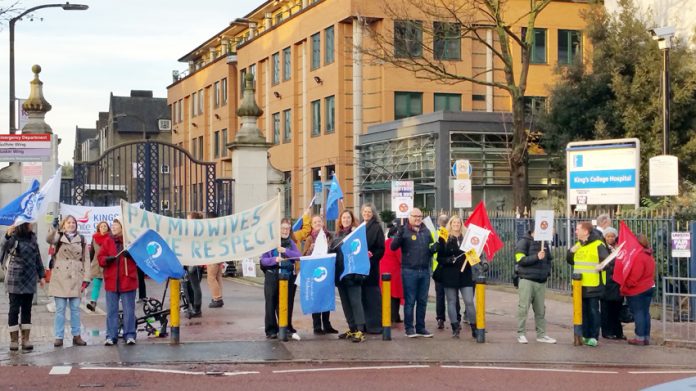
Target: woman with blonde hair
(69, 278)
(96, 271)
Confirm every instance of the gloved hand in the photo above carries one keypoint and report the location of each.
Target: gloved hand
(55, 222)
(85, 284)
(434, 247)
(110, 259)
(125, 253)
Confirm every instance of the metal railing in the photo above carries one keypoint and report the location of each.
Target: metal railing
(679, 310)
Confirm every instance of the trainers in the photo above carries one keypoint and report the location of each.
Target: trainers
(546, 339)
(295, 336)
(109, 342)
(216, 304)
(425, 334)
(347, 335)
(590, 342)
(411, 334)
(522, 339)
(358, 336)
(272, 336)
(130, 341)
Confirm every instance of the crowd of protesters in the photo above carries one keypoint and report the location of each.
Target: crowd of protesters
(409, 251)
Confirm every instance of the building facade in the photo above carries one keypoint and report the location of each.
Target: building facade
(320, 93)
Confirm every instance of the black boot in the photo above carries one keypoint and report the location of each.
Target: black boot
(455, 330)
(197, 311)
(473, 330)
(316, 324)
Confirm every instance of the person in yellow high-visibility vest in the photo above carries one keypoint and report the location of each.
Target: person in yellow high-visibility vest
(585, 256)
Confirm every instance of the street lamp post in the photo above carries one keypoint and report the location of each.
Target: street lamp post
(663, 36)
(66, 7)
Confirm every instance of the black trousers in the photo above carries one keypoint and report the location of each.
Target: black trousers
(372, 305)
(440, 303)
(611, 323)
(271, 295)
(20, 304)
(395, 305)
(142, 289)
(351, 301)
(193, 286)
(321, 318)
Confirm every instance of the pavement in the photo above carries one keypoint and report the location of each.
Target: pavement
(234, 334)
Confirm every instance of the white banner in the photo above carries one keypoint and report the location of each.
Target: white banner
(89, 216)
(247, 234)
(475, 238)
(543, 225)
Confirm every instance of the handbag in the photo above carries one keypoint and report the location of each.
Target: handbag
(625, 315)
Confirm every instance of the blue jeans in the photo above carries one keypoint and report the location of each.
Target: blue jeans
(591, 318)
(59, 321)
(640, 307)
(127, 300)
(416, 285)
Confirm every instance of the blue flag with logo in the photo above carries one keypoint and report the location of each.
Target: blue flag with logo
(154, 257)
(335, 194)
(18, 206)
(354, 249)
(317, 275)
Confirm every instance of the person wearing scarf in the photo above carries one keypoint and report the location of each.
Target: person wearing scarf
(70, 277)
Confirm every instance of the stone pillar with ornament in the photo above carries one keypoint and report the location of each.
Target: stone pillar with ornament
(249, 151)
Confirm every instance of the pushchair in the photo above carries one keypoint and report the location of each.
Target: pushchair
(155, 319)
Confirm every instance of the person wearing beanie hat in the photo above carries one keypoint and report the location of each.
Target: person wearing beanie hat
(612, 301)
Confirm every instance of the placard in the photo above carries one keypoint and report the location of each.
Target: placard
(543, 225)
(248, 267)
(664, 176)
(402, 193)
(462, 193)
(475, 238)
(681, 244)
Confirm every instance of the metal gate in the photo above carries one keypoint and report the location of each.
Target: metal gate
(163, 176)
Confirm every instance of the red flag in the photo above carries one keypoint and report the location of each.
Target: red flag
(631, 247)
(479, 217)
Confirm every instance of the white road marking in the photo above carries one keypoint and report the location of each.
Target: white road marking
(531, 369)
(60, 370)
(662, 372)
(173, 371)
(350, 368)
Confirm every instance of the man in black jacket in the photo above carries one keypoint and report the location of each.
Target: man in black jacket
(417, 249)
(533, 268)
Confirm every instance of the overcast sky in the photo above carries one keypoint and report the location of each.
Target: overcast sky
(115, 46)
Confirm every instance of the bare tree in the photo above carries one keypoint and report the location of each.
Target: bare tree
(417, 40)
(7, 10)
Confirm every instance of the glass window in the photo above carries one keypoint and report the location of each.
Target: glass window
(223, 152)
(407, 104)
(276, 68)
(408, 38)
(181, 114)
(216, 145)
(242, 77)
(194, 104)
(200, 148)
(329, 45)
(194, 148)
(448, 102)
(316, 51)
(201, 101)
(276, 128)
(223, 91)
(538, 48)
(330, 107)
(447, 41)
(316, 117)
(287, 71)
(216, 94)
(287, 135)
(569, 46)
(534, 104)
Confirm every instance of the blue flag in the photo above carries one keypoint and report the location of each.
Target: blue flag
(298, 224)
(154, 257)
(10, 212)
(335, 194)
(317, 292)
(354, 249)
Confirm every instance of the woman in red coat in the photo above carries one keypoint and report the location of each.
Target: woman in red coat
(391, 263)
(638, 287)
(120, 284)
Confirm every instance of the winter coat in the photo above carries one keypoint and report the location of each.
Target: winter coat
(416, 247)
(308, 245)
(25, 267)
(612, 290)
(96, 271)
(529, 266)
(391, 263)
(450, 259)
(602, 253)
(286, 266)
(375, 244)
(641, 276)
(120, 274)
(70, 264)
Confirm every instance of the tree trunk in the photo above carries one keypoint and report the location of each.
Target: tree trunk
(519, 156)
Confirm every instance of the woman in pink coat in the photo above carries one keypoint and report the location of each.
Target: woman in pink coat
(391, 263)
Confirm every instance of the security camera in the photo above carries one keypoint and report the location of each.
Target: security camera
(660, 33)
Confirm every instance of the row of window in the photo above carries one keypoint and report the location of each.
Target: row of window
(219, 97)
(409, 104)
(329, 117)
(219, 145)
(316, 57)
(447, 37)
